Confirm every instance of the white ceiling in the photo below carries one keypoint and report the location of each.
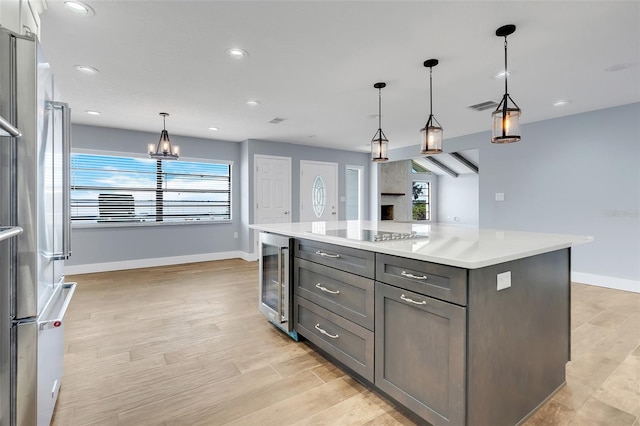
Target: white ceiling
(315, 63)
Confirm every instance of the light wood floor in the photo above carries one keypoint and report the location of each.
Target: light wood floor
(185, 345)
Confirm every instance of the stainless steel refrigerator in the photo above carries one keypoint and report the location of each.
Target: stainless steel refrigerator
(34, 188)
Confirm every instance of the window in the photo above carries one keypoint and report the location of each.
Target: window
(354, 192)
(116, 189)
(420, 200)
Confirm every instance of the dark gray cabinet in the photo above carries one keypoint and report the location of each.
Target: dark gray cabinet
(348, 295)
(447, 343)
(354, 261)
(334, 302)
(432, 279)
(347, 342)
(420, 353)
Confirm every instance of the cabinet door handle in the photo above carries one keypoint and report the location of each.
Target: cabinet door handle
(406, 299)
(333, 256)
(325, 333)
(326, 290)
(415, 277)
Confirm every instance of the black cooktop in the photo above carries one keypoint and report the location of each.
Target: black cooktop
(373, 235)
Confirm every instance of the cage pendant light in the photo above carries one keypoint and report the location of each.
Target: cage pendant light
(163, 149)
(379, 142)
(432, 131)
(506, 117)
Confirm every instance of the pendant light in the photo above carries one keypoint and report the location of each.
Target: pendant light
(163, 150)
(506, 118)
(432, 131)
(379, 142)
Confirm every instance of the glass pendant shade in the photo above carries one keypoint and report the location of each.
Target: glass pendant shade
(379, 145)
(506, 122)
(431, 138)
(163, 150)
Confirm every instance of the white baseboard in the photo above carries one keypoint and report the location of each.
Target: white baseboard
(249, 257)
(158, 261)
(604, 281)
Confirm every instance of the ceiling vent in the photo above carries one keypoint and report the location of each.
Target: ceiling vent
(482, 106)
(277, 120)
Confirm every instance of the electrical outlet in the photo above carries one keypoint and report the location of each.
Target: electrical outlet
(499, 196)
(504, 280)
(235, 235)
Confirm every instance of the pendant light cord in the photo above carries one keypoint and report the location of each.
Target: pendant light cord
(506, 71)
(430, 90)
(380, 110)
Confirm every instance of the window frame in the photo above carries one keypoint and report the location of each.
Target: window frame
(428, 199)
(154, 223)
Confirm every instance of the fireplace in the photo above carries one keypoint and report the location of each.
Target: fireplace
(386, 212)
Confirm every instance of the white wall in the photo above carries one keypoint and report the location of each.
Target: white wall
(577, 174)
(458, 199)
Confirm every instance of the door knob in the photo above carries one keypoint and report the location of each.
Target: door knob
(286, 212)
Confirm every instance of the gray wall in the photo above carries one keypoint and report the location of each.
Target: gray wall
(116, 244)
(458, 199)
(578, 174)
(297, 153)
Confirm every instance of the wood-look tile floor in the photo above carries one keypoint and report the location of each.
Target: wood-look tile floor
(186, 345)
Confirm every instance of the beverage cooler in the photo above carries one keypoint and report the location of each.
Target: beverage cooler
(276, 301)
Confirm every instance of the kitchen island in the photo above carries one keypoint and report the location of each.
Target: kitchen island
(460, 325)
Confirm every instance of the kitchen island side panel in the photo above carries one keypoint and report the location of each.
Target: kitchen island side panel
(518, 337)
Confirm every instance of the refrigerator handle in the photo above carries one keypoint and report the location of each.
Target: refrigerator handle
(7, 129)
(59, 319)
(66, 180)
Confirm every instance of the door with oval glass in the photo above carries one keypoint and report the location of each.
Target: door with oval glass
(318, 191)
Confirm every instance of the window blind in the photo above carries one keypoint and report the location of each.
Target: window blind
(114, 189)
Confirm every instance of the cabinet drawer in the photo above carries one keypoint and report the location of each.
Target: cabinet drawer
(348, 295)
(347, 342)
(440, 281)
(348, 259)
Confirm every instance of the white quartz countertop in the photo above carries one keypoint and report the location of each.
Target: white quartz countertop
(454, 245)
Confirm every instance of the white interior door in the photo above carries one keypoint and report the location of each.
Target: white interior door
(272, 190)
(318, 191)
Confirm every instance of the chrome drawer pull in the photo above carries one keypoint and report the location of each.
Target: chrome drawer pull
(327, 290)
(415, 277)
(325, 333)
(406, 299)
(333, 256)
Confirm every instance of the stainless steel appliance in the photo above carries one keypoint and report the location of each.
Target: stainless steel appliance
(275, 290)
(34, 185)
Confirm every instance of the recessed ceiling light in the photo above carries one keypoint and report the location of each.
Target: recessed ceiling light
(86, 69)
(253, 102)
(90, 112)
(214, 128)
(501, 74)
(237, 53)
(79, 7)
(561, 102)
